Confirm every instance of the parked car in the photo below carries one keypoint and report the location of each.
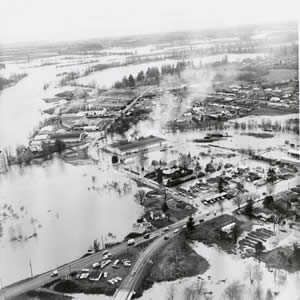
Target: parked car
(131, 242)
(166, 237)
(166, 228)
(147, 235)
(54, 273)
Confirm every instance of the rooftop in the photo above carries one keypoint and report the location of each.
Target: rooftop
(142, 142)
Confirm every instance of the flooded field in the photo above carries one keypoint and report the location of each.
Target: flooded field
(41, 227)
(224, 269)
(66, 208)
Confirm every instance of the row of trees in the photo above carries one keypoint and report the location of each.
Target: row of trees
(152, 75)
(24, 155)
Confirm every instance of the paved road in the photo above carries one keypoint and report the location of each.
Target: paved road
(42, 279)
(130, 282)
(127, 287)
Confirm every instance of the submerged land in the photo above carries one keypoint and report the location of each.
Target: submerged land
(203, 142)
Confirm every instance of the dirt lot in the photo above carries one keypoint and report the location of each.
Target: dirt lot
(176, 260)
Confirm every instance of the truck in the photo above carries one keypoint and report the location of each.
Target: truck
(131, 242)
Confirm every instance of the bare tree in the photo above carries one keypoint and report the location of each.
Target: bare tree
(254, 274)
(238, 200)
(269, 295)
(185, 160)
(171, 292)
(234, 291)
(140, 196)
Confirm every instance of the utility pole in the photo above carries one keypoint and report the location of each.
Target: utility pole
(30, 268)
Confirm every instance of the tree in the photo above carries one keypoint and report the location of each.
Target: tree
(125, 81)
(190, 224)
(171, 292)
(164, 207)
(142, 158)
(249, 208)
(238, 200)
(140, 76)
(114, 159)
(269, 295)
(184, 160)
(240, 186)
(131, 81)
(96, 246)
(221, 185)
(221, 204)
(159, 176)
(234, 291)
(140, 196)
(236, 232)
(268, 201)
(254, 274)
(258, 249)
(271, 176)
(60, 146)
(154, 163)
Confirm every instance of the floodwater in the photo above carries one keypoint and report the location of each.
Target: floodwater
(61, 203)
(230, 268)
(56, 200)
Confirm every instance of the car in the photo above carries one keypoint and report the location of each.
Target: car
(166, 237)
(176, 230)
(166, 228)
(85, 270)
(105, 274)
(133, 273)
(131, 242)
(201, 220)
(54, 273)
(147, 236)
(184, 226)
(96, 265)
(215, 213)
(105, 252)
(208, 214)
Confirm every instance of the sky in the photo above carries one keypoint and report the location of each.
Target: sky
(65, 20)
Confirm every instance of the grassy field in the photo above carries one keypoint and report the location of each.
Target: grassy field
(268, 111)
(176, 260)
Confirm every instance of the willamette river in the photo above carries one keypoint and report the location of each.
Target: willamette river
(57, 201)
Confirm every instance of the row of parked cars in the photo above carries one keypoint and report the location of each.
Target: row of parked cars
(216, 199)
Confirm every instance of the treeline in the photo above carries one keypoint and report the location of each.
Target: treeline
(153, 75)
(24, 155)
(13, 79)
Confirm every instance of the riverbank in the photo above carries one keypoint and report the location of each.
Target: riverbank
(176, 260)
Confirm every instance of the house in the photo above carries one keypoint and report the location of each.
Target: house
(157, 215)
(69, 137)
(141, 227)
(228, 228)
